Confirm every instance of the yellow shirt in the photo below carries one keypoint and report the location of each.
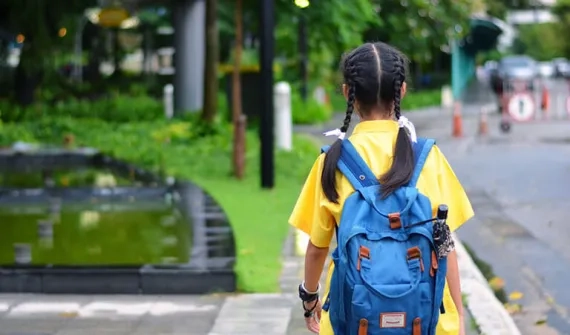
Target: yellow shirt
(374, 141)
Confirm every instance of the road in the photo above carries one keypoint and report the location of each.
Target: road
(518, 183)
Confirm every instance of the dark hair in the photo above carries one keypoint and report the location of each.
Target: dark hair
(374, 74)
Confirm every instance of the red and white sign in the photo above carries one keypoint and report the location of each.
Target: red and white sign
(521, 107)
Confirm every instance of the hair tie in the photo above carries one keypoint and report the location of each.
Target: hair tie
(403, 122)
(336, 132)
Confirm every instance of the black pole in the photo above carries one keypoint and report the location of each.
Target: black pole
(266, 131)
(303, 53)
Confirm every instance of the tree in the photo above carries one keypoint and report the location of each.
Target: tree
(238, 117)
(428, 28)
(38, 22)
(211, 67)
(562, 12)
(497, 8)
(541, 41)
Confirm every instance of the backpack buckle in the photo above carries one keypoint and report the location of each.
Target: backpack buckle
(363, 253)
(416, 253)
(395, 221)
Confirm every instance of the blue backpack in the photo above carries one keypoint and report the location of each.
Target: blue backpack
(387, 277)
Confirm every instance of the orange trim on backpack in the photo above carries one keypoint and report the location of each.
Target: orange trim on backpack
(363, 253)
(415, 252)
(417, 327)
(434, 264)
(363, 327)
(395, 221)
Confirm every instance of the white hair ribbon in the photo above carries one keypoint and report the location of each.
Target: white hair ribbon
(336, 132)
(403, 122)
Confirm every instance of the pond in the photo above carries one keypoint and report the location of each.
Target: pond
(59, 212)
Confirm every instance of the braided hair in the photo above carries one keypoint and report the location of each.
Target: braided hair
(373, 74)
(402, 167)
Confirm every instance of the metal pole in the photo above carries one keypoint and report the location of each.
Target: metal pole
(78, 49)
(266, 129)
(303, 54)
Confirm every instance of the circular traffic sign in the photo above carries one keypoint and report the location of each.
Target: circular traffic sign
(521, 107)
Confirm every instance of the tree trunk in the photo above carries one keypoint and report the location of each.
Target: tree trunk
(211, 67)
(238, 118)
(26, 78)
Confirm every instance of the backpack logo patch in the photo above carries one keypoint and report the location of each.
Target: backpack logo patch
(393, 320)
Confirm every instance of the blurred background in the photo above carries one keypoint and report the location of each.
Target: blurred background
(158, 146)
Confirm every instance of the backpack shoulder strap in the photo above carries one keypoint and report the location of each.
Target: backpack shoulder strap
(421, 151)
(354, 167)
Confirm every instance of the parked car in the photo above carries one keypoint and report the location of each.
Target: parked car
(546, 69)
(514, 68)
(561, 67)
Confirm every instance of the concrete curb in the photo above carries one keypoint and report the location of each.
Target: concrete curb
(487, 311)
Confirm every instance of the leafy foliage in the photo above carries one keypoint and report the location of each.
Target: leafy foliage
(562, 12)
(541, 41)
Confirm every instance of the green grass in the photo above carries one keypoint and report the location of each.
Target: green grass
(412, 101)
(487, 271)
(421, 99)
(259, 217)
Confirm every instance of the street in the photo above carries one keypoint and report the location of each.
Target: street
(517, 183)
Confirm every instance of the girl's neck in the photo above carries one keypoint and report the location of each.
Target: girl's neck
(377, 117)
(377, 114)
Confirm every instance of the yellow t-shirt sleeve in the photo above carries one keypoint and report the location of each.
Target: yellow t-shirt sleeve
(311, 213)
(451, 193)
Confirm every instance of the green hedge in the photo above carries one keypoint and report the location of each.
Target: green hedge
(310, 111)
(114, 108)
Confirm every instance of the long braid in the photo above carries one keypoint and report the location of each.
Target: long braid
(349, 107)
(328, 178)
(402, 167)
(399, 76)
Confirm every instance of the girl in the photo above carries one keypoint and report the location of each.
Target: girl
(374, 83)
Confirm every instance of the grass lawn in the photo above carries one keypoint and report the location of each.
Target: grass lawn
(259, 217)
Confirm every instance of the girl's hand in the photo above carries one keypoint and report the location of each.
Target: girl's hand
(461, 325)
(312, 321)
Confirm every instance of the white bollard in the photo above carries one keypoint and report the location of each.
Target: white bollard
(446, 97)
(320, 95)
(168, 100)
(283, 117)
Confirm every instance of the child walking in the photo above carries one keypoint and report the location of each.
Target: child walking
(391, 198)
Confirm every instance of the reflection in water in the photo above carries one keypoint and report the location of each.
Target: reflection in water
(87, 217)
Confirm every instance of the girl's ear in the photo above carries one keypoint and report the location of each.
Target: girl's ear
(345, 91)
(403, 90)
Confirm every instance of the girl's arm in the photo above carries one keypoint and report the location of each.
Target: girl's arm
(315, 258)
(454, 282)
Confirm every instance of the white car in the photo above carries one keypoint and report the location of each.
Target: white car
(546, 69)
